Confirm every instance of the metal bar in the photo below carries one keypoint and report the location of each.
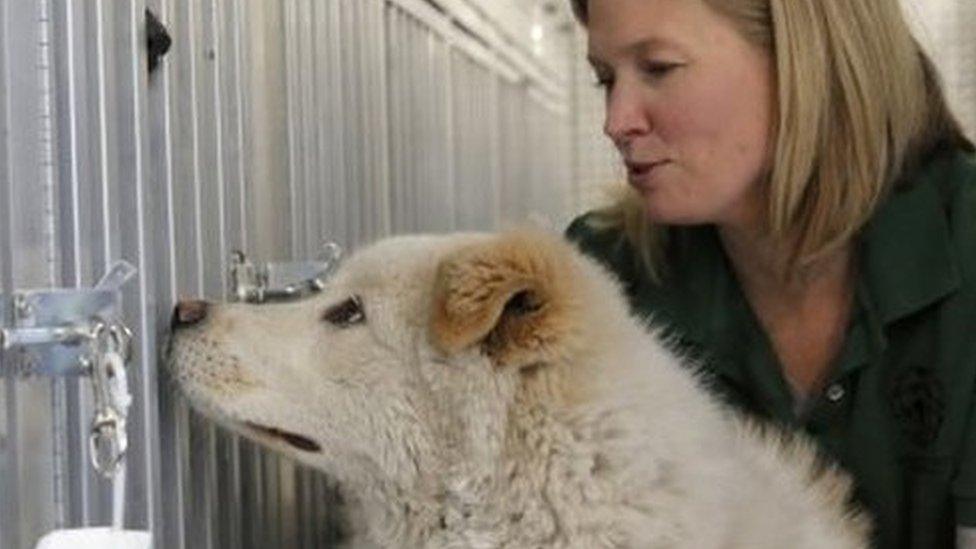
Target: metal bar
(450, 169)
(106, 96)
(494, 146)
(306, 490)
(191, 531)
(6, 189)
(217, 54)
(340, 160)
(162, 91)
(312, 234)
(173, 460)
(358, 35)
(271, 515)
(200, 534)
(74, 152)
(351, 94)
(104, 224)
(185, 212)
(372, 213)
(136, 240)
(289, 23)
(169, 527)
(394, 89)
(427, 181)
(381, 118)
(413, 124)
(23, 337)
(10, 520)
(228, 20)
(209, 107)
(192, 61)
(234, 502)
(288, 534)
(239, 30)
(322, 91)
(252, 494)
(209, 483)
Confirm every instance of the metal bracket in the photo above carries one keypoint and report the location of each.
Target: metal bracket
(53, 329)
(281, 281)
(78, 333)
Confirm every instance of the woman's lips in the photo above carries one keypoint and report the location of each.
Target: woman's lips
(638, 172)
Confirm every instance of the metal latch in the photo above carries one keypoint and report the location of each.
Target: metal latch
(77, 332)
(281, 281)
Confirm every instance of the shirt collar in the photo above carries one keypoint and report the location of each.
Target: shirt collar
(907, 258)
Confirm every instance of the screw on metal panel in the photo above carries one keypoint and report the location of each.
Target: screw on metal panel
(23, 309)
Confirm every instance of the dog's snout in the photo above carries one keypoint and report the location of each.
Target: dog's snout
(189, 312)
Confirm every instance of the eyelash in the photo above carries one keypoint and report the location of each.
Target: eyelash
(658, 69)
(653, 70)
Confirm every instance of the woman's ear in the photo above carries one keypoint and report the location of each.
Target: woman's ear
(510, 295)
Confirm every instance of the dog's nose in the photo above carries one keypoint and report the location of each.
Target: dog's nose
(188, 313)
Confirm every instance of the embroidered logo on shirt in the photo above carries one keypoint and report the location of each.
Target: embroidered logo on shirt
(918, 401)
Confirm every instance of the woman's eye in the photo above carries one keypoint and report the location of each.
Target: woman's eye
(346, 313)
(659, 69)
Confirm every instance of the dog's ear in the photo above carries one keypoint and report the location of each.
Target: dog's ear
(510, 295)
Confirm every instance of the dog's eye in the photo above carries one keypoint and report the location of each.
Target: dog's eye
(346, 313)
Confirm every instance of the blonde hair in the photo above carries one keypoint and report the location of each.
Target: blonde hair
(859, 103)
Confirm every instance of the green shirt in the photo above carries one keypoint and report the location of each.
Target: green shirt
(898, 411)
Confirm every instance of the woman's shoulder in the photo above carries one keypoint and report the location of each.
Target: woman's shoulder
(960, 203)
(950, 179)
(940, 192)
(955, 179)
(961, 187)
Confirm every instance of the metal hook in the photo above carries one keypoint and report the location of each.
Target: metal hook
(107, 439)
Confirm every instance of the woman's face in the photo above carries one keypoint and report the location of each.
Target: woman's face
(689, 107)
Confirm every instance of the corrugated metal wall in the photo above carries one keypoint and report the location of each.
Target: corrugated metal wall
(73, 189)
(948, 30)
(271, 127)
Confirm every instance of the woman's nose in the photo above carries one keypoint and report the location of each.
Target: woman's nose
(626, 116)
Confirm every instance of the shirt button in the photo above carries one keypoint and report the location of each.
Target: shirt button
(835, 392)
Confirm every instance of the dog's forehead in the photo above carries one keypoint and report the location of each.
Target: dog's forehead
(401, 256)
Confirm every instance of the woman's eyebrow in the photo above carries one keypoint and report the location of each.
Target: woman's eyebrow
(641, 46)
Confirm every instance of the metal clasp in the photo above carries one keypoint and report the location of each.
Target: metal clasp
(108, 439)
(281, 281)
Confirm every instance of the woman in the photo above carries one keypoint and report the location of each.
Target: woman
(802, 215)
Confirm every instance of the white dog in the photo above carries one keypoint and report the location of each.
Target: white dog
(493, 391)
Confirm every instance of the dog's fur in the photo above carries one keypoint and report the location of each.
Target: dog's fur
(497, 393)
